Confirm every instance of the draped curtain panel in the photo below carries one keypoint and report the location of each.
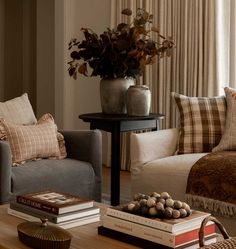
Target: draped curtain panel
(192, 69)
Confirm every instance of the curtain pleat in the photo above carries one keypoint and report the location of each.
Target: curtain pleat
(192, 69)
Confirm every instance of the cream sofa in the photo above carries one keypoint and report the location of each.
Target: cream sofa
(156, 167)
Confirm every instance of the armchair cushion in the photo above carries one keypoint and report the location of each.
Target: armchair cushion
(202, 122)
(18, 110)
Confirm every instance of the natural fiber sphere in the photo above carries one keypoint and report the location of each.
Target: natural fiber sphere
(183, 212)
(131, 207)
(165, 195)
(152, 211)
(151, 202)
(155, 194)
(144, 210)
(169, 202)
(159, 206)
(188, 211)
(175, 213)
(143, 202)
(185, 205)
(168, 212)
(136, 208)
(163, 201)
(138, 196)
(177, 204)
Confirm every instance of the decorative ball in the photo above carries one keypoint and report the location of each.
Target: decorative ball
(165, 195)
(143, 202)
(131, 207)
(183, 212)
(155, 194)
(163, 201)
(178, 204)
(160, 206)
(168, 212)
(175, 213)
(169, 202)
(152, 211)
(151, 202)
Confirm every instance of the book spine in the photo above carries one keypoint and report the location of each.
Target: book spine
(152, 234)
(36, 204)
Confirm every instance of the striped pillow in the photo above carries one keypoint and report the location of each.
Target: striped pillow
(202, 122)
(28, 142)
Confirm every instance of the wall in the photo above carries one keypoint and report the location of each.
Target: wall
(82, 95)
(2, 41)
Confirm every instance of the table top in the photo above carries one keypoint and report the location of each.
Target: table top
(118, 117)
(84, 237)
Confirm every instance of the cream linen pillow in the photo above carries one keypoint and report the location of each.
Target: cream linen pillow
(228, 140)
(18, 110)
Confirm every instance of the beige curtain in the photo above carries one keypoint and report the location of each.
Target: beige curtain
(192, 68)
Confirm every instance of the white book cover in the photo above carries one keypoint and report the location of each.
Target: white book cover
(169, 225)
(65, 224)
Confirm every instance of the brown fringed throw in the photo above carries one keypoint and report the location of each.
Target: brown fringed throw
(212, 183)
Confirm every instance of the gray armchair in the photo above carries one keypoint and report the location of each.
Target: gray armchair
(79, 174)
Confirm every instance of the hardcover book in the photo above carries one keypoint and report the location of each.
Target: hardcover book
(147, 244)
(153, 234)
(54, 218)
(65, 224)
(54, 202)
(169, 225)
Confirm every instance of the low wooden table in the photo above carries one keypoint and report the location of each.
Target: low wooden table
(84, 237)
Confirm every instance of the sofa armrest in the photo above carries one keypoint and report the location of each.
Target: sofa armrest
(85, 145)
(5, 171)
(149, 146)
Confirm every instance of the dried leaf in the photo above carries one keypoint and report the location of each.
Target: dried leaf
(83, 69)
(127, 12)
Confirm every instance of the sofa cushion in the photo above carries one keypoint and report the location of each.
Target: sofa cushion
(170, 174)
(68, 175)
(202, 122)
(31, 141)
(18, 110)
(228, 140)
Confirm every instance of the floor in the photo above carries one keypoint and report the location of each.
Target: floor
(125, 185)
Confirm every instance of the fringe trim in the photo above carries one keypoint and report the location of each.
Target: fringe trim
(214, 206)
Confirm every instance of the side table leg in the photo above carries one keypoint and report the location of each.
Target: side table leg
(115, 167)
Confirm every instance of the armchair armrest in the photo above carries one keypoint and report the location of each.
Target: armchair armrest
(86, 145)
(149, 146)
(5, 171)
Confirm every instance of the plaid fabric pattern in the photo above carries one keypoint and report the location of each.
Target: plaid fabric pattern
(18, 110)
(31, 141)
(202, 122)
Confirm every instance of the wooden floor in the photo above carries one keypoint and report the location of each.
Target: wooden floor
(125, 185)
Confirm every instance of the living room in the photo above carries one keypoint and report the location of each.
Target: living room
(35, 36)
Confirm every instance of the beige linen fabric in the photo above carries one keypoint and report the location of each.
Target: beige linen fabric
(228, 140)
(18, 110)
(201, 122)
(31, 141)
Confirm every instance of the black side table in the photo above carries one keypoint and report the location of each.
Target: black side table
(117, 124)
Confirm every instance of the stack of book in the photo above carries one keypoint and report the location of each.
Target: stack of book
(154, 232)
(62, 209)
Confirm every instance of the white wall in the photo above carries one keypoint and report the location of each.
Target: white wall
(82, 95)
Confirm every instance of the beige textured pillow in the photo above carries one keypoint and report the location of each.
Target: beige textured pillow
(18, 110)
(202, 122)
(228, 140)
(48, 118)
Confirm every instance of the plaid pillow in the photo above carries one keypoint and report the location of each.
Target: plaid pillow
(202, 122)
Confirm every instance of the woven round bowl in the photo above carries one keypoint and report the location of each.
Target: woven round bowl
(43, 236)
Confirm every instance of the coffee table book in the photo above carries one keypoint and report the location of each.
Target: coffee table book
(152, 234)
(54, 202)
(169, 225)
(65, 224)
(54, 218)
(147, 244)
